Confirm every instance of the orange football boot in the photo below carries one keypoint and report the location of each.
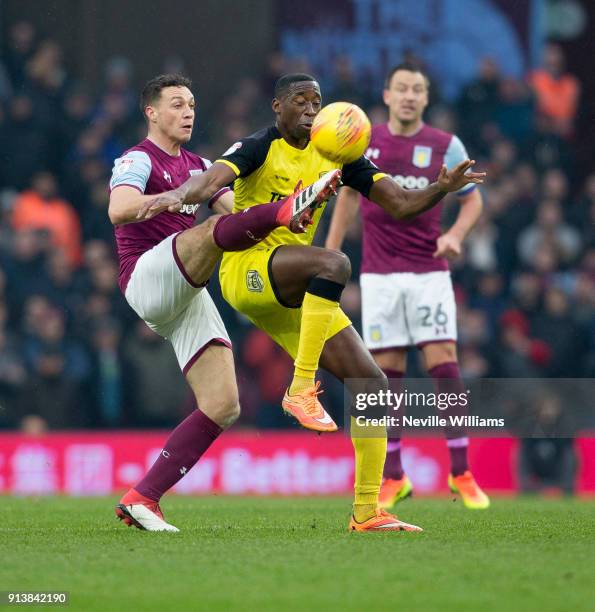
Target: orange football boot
(306, 408)
(393, 491)
(473, 497)
(382, 521)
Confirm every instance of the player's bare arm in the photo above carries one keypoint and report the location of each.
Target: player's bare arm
(124, 204)
(199, 188)
(450, 243)
(344, 213)
(407, 203)
(224, 204)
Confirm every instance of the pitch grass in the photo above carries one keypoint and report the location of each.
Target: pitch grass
(295, 554)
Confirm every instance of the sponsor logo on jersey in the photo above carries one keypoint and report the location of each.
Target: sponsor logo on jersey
(195, 171)
(254, 281)
(372, 153)
(234, 147)
(190, 209)
(422, 156)
(412, 182)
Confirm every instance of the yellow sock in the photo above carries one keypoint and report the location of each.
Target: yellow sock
(369, 445)
(317, 315)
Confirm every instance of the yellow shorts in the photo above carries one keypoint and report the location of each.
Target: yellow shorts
(246, 284)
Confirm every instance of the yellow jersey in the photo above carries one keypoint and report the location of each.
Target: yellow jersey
(268, 168)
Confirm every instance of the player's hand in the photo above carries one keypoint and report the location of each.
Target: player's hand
(459, 176)
(168, 200)
(448, 246)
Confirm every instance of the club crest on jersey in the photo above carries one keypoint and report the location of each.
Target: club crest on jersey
(254, 281)
(167, 176)
(422, 156)
(375, 333)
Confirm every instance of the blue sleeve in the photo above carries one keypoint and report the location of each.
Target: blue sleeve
(132, 169)
(455, 154)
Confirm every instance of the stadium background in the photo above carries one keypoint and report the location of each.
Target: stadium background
(72, 354)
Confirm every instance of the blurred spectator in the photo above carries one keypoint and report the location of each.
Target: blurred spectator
(563, 335)
(549, 231)
(107, 390)
(527, 293)
(12, 378)
(478, 102)
(51, 395)
(481, 245)
(158, 400)
(66, 285)
(25, 146)
(547, 461)
(518, 355)
(515, 110)
(42, 208)
(557, 92)
(24, 267)
(19, 49)
(345, 85)
(50, 334)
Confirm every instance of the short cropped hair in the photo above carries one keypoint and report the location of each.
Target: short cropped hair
(409, 67)
(152, 90)
(284, 82)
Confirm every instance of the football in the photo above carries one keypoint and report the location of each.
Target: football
(341, 132)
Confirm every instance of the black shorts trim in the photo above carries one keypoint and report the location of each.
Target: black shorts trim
(272, 281)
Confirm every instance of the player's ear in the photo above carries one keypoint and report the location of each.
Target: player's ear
(276, 106)
(386, 96)
(150, 114)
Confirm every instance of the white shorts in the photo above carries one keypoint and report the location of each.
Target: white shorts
(405, 309)
(162, 294)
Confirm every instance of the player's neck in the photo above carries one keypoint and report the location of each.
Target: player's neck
(399, 128)
(298, 143)
(165, 144)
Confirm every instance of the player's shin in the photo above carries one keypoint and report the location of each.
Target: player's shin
(447, 379)
(369, 445)
(184, 447)
(393, 467)
(320, 305)
(240, 231)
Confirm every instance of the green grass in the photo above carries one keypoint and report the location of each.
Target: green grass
(279, 554)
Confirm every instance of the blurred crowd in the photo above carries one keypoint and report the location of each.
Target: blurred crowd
(73, 354)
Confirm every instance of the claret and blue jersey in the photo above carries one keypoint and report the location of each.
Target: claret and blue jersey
(414, 162)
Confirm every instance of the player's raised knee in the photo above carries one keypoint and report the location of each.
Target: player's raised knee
(336, 266)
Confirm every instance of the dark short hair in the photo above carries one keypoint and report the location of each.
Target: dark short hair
(152, 90)
(284, 82)
(409, 67)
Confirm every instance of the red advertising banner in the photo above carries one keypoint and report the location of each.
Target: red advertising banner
(244, 463)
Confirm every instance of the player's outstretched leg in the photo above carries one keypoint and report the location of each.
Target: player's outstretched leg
(243, 230)
(189, 441)
(314, 278)
(346, 357)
